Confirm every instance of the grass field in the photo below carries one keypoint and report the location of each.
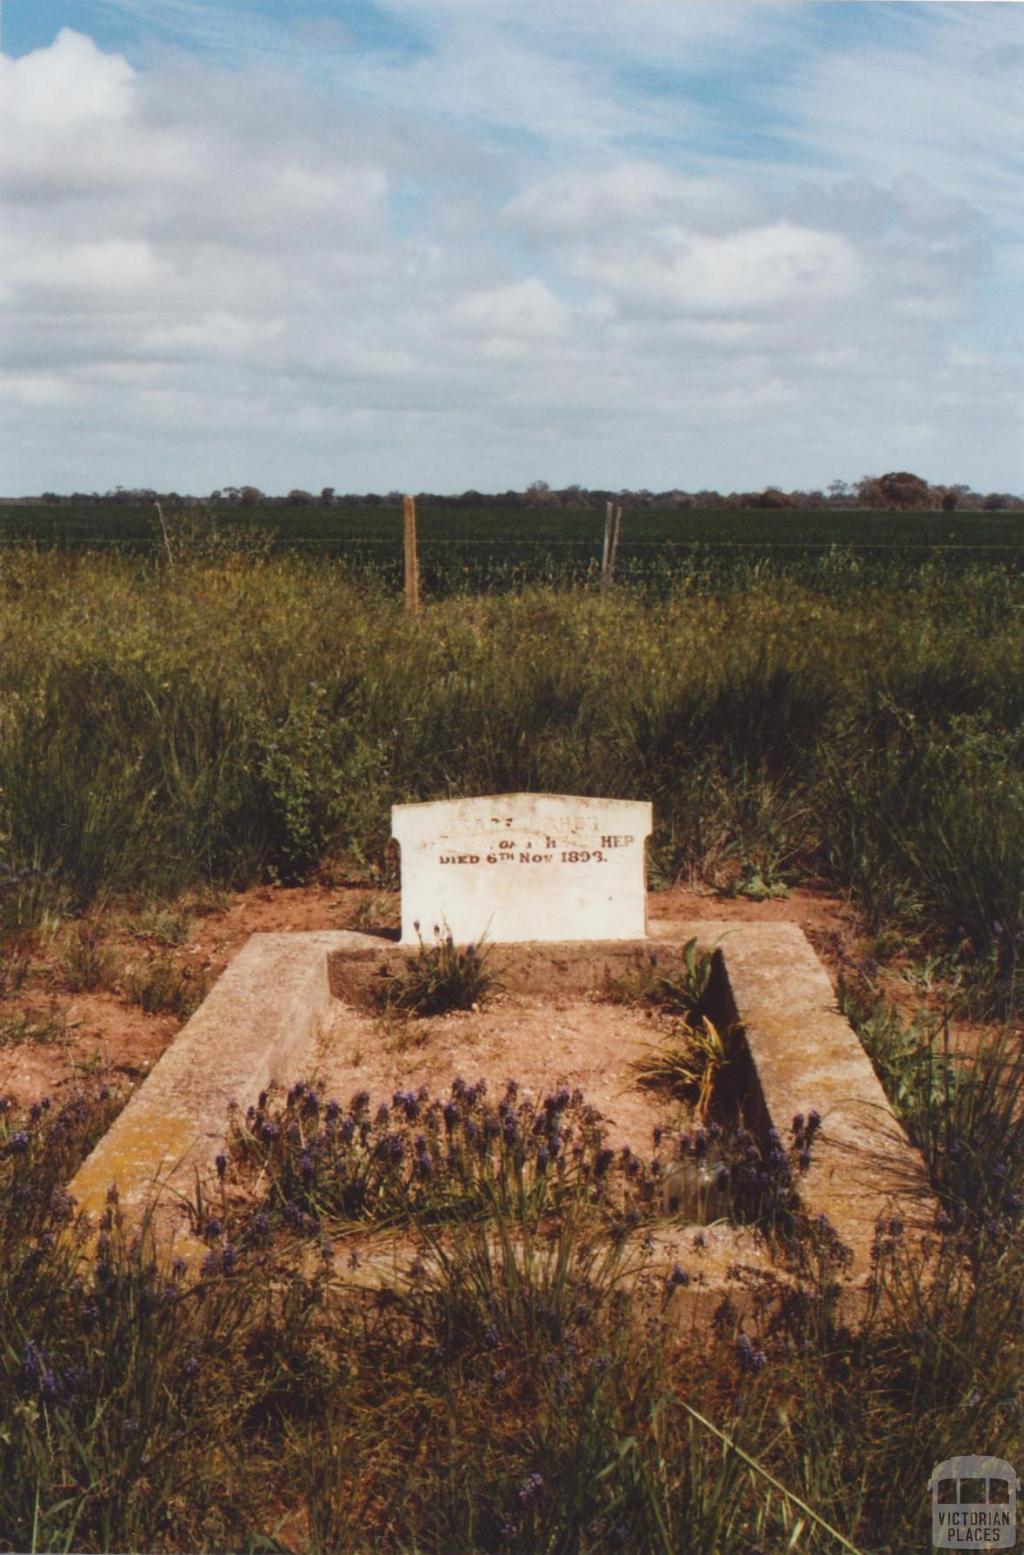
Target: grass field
(238, 712)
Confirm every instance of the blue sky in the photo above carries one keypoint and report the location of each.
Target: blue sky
(440, 244)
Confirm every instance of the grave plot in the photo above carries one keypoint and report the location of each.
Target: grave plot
(794, 1129)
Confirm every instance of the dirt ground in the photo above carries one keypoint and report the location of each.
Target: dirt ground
(539, 1042)
(107, 1034)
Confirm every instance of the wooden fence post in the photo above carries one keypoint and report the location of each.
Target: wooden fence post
(412, 564)
(612, 530)
(616, 532)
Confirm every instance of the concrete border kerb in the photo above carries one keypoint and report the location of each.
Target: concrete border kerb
(260, 1022)
(263, 1019)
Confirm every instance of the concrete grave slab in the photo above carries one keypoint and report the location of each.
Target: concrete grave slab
(292, 1003)
(518, 867)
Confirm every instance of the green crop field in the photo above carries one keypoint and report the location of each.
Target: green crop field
(487, 547)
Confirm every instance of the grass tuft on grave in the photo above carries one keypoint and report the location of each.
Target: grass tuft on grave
(438, 978)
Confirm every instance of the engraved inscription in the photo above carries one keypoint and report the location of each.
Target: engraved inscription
(524, 867)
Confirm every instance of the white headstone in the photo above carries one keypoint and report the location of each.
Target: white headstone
(523, 867)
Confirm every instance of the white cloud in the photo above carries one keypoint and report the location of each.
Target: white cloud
(751, 271)
(525, 310)
(497, 256)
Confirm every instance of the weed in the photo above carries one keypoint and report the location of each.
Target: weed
(688, 1064)
(162, 987)
(439, 978)
(759, 885)
(87, 963)
(379, 911)
(657, 982)
(165, 925)
(47, 1029)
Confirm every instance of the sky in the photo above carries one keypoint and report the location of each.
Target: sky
(435, 245)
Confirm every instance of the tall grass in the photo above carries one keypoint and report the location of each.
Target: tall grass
(242, 715)
(505, 1385)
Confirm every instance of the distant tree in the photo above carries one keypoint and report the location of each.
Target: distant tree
(573, 497)
(327, 496)
(299, 498)
(899, 489)
(249, 496)
(772, 497)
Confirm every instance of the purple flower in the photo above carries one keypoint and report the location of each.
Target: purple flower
(530, 1488)
(221, 1164)
(18, 1142)
(751, 1360)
